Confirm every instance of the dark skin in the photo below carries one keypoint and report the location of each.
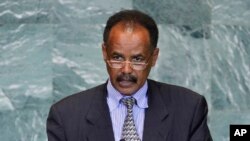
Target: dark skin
(129, 43)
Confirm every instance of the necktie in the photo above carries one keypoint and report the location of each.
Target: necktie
(129, 132)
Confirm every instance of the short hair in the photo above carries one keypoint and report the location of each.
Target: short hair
(136, 17)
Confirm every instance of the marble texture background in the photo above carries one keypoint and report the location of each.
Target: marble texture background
(51, 49)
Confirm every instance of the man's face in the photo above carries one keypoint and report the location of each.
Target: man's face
(132, 44)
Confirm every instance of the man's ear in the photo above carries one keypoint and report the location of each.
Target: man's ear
(104, 51)
(155, 56)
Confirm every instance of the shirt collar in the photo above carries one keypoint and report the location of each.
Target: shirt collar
(114, 96)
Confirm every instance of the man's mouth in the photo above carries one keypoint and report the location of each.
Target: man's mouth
(126, 80)
(126, 83)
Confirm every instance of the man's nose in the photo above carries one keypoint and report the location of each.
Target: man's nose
(127, 67)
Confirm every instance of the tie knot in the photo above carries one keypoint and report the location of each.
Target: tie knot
(128, 102)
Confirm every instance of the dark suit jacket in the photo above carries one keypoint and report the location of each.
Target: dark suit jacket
(174, 114)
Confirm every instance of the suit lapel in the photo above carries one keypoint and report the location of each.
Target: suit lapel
(98, 118)
(157, 118)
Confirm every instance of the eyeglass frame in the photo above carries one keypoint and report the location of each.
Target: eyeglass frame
(122, 63)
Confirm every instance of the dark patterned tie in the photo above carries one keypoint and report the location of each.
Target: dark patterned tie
(129, 132)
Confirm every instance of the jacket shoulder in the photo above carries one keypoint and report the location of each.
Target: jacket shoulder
(81, 99)
(175, 93)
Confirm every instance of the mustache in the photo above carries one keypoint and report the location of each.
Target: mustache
(126, 77)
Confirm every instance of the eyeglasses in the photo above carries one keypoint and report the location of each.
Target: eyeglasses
(134, 65)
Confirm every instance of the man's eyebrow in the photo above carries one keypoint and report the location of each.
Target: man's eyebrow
(138, 55)
(116, 53)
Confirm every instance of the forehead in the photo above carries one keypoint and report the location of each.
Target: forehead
(129, 38)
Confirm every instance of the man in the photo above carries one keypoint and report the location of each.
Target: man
(130, 107)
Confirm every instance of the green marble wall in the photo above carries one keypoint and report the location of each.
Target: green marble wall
(51, 49)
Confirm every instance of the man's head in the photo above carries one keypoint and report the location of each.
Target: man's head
(129, 49)
(136, 17)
